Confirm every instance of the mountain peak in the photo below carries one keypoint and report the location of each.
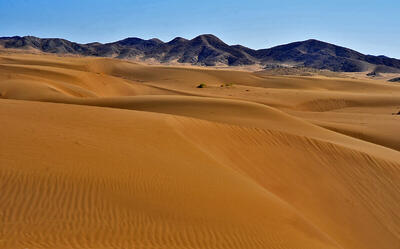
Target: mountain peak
(177, 40)
(314, 41)
(156, 40)
(208, 38)
(210, 41)
(129, 41)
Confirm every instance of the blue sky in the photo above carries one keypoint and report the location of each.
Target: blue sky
(369, 26)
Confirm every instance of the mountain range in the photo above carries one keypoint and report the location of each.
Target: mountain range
(209, 50)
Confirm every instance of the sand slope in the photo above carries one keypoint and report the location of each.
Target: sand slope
(135, 156)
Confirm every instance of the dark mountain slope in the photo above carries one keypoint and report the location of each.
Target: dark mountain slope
(321, 55)
(209, 50)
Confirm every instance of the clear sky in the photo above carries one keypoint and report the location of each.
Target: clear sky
(369, 26)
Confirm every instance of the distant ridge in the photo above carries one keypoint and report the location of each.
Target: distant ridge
(209, 50)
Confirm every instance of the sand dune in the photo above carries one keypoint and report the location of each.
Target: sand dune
(104, 153)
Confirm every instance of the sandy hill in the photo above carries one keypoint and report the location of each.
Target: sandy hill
(209, 50)
(105, 153)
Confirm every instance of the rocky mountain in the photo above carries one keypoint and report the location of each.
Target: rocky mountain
(209, 50)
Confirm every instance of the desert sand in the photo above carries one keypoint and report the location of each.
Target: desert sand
(106, 153)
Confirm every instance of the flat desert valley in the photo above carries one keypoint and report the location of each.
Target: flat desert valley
(107, 153)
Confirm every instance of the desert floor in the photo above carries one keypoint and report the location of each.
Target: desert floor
(104, 153)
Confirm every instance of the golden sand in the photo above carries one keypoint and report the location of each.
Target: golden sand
(104, 153)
